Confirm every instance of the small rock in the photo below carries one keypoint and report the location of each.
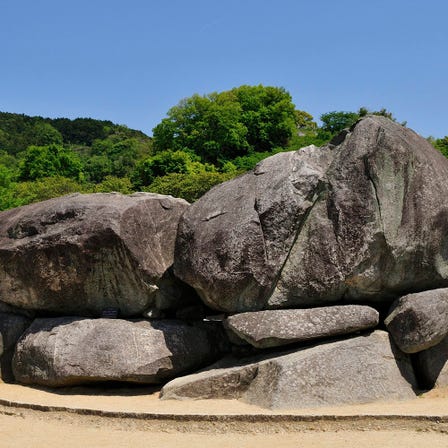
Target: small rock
(419, 321)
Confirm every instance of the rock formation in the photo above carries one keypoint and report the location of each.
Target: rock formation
(355, 370)
(79, 254)
(419, 321)
(68, 351)
(362, 221)
(304, 252)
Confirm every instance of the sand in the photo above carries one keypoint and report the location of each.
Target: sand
(135, 417)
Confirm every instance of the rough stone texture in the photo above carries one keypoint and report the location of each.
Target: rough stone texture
(273, 328)
(69, 351)
(419, 321)
(233, 244)
(11, 328)
(432, 365)
(357, 370)
(362, 221)
(79, 253)
(226, 379)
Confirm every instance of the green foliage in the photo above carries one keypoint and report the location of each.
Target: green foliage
(246, 163)
(48, 161)
(221, 126)
(189, 186)
(167, 162)
(23, 193)
(442, 145)
(159, 165)
(114, 184)
(334, 122)
(42, 134)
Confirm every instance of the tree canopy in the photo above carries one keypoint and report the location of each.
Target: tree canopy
(221, 126)
(204, 140)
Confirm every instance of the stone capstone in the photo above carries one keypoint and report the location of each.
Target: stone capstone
(419, 321)
(361, 221)
(272, 328)
(71, 351)
(357, 370)
(79, 254)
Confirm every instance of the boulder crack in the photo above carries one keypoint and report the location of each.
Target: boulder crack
(375, 190)
(321, 188)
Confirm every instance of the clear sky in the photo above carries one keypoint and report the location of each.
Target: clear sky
(129, 61)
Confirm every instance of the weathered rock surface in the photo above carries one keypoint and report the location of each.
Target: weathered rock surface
(70, 351)
(229, 378)
(272, 328)
(79, 254)
(11, 328)
(362, 221)
(419, 321)
(432, 365)
(357, 370)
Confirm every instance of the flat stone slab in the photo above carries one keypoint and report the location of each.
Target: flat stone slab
(73, 351)
(419, 321)
(273, 328)
(356, 370)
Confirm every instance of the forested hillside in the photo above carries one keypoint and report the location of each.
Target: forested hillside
(204, 140)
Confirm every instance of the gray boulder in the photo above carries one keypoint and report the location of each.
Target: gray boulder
(70, 351)
(361, 221)
(79, 254)
(12, 327)
(419, 321)
(229, 378)
(272, 328)
(357, 370)
(432, 365)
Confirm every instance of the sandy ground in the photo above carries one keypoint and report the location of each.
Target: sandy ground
(22, 427)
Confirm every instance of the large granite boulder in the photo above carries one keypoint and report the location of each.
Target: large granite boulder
(79, 254)
(69, 351)
(364, 220)
(12, 327)
(357, 370)
(272, 328)
(419, 321)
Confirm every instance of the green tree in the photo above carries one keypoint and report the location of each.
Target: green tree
(334, 122)
(442, 145)
(167, 162)
(114, 184)
(189, 186)
(22, 193)
(42, 134)
(221, 126)
(47, 161)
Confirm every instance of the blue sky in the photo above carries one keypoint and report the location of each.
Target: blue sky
(130, 61)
